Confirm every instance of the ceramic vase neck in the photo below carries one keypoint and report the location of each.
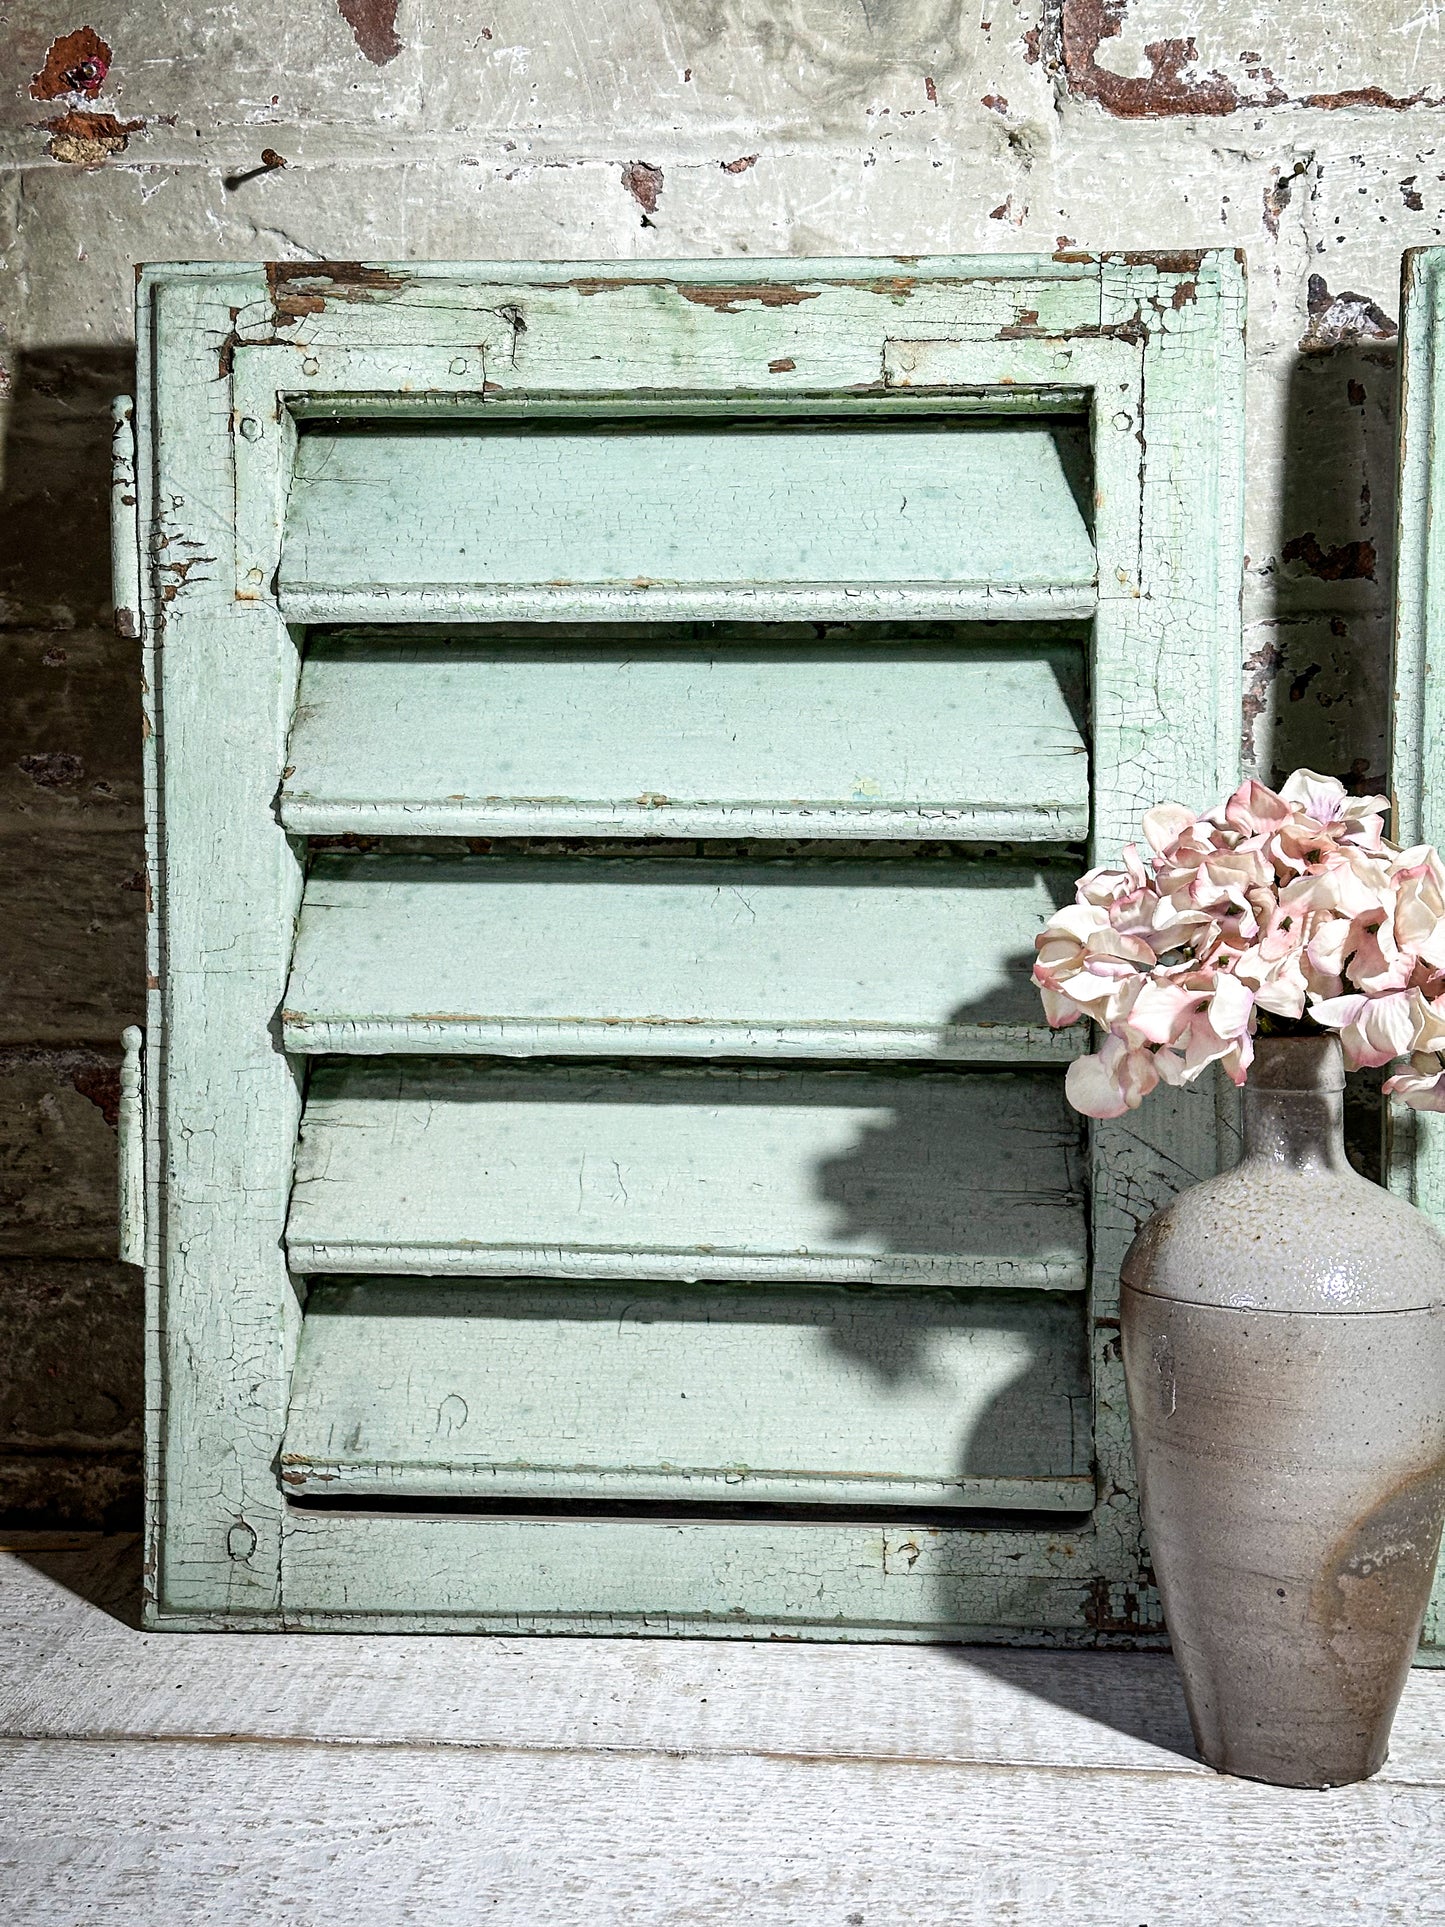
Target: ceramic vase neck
(1294, 1105)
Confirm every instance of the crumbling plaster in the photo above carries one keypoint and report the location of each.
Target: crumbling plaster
(1314, 139)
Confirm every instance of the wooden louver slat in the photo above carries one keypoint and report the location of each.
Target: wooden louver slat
(689, 517)
(414, 734)
(655, 955)
(418, 1388)
(457, 1166)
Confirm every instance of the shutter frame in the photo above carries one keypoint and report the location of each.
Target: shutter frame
(231, 360)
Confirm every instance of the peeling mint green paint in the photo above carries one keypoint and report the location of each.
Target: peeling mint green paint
(1114, 384)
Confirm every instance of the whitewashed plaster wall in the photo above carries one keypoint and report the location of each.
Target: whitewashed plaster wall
(1311, 137)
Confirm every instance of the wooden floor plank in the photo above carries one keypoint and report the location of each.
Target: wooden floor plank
(1103, 1712)
(133, 1833)
(368, 1781)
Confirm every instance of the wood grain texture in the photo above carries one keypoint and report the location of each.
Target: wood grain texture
(376, 1835)
(417, 1388)
(1005, 1579)
(823, 510)
(79, 1670)
(444, 1165)
(76, 1669)
(785, 959)
(364, 1780)
(423, 734)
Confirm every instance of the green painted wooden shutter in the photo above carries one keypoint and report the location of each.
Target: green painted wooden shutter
(616, 736)
(1416, 1140)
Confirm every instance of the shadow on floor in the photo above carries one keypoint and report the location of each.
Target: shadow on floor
(1144, 1702)
(103, 1570)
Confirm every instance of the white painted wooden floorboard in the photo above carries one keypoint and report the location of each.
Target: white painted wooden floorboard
(154, 1777)
(136, 1833)
(104, 1679)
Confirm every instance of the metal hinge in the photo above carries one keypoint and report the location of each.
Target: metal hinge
(131, 1133)
(124, 528)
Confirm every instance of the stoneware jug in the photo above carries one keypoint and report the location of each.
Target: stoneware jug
(1284, 1346)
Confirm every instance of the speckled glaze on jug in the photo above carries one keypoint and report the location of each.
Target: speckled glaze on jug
(1283, 1333)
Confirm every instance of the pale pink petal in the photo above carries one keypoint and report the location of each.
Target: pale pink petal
(1372, 1029)
(1331, 941)
(1319, 797)
(1335, 1012)
(1237, 1060)
(1102, 886)
(1429, 1025)
(1059, 1010)
(1283, 987)
(1255, 809)
(1340, 890)
(1422, 1086)
(1203, 1046)
(1173, 922)
(1231, 1006)
(1378, 964)
(1162, 1011)
(1076, 920)
(1420, 905)
(1092, 1087)
(1389, 1025)
(1113, 1080)
(1355, 820)
(1165, 824)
